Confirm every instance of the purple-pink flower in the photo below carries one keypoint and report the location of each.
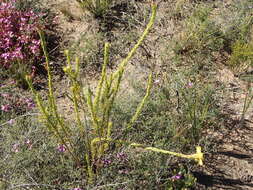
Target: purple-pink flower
(189, 85)
(30, 103)
(19, 39)
(157, 81)
(6, 108)
(106, 162)
(176, 177)
(16, 147)
(5, 95)
(61, 148)
(77, 188)
(11, 121)
(123, 171)
(121, 156)
(28, 143)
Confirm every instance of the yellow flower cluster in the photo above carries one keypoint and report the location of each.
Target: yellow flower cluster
(198, 157)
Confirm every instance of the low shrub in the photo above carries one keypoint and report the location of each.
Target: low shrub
(97, 7)
(19, 40)
(20, 50)
(241, 56)
(96, 131)
(201, 34)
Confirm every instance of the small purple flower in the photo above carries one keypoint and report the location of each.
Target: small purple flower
(157, 81)
(124, 171)
(5, 95)
(6, 108)
(106, 162)
(28, 143)
(11, 121)
(15, 147)
(189, 85)
(34, 49)
(28, 100)
(5, 55)
(77, 188)
(176, 177)
(61, 148)
(121, 156)
(12, 82)
(36, 42)
(23, 19)
(30, 103)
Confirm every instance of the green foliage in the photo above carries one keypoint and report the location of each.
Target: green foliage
(97, 132)
(29, 158)
(236, 21)
(97, 7)
(171, 116)
(247, 101)
(241, 59)
(90, 51)
(241, 49)
(178, 110)
(181, 179)
(196, 102)
(241, 53)
(201, 34)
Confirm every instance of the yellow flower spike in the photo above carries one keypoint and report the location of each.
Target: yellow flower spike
(199, 156)
(67, 69)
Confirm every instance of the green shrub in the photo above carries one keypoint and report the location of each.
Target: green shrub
(242, 55)
(96, 132)
(236, 21)
(181, 179)
(97, 7)
(20, 50)
(30, 157)
(200, 34)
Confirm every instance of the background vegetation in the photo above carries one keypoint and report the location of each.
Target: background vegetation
(76, 130)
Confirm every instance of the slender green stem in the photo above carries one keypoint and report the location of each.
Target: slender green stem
(141, 105)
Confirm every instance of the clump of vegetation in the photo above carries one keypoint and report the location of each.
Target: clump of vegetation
(95, 132)
(122, 132)
(98, 134)
(241, 55)
(201, 34)
(20, 49)
(97, 7)
(19, 40)
(13, 103)
(181, 178)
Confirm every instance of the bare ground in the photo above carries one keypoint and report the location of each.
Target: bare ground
(231, 165)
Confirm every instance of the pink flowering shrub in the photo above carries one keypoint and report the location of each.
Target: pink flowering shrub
(11, 102)
(19, 39)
